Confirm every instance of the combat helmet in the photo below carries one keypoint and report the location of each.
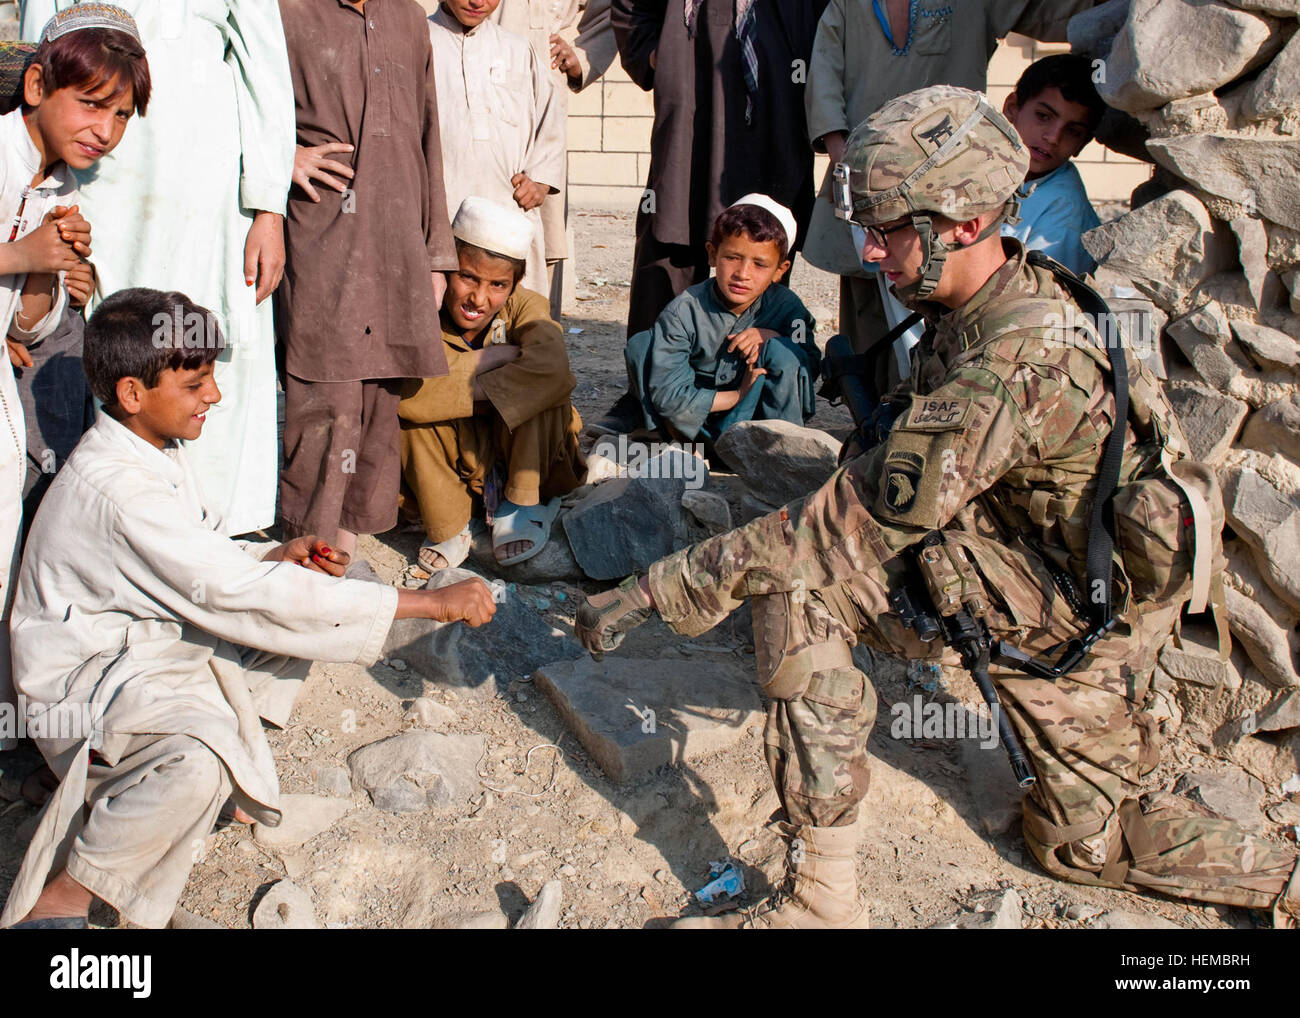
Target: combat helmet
(940, 150)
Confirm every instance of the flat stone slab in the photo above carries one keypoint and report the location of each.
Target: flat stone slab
(634, 715)
(304, 817)
(286, 906)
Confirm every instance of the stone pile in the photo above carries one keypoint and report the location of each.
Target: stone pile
(1209, 93)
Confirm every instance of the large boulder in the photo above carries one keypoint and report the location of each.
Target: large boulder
(1258, 173)
(779, 461)
(1167, 248)
(417, 769)
(1168, 49)
(635, 715)
(1267, 519)
(1092, 32)
(1260, 621)
(485, 659)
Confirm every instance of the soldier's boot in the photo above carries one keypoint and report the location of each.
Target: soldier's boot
(820, 890)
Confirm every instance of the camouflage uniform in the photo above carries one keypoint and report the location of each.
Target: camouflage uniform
(1000, 448)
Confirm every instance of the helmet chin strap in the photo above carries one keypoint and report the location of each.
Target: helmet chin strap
(934, 250)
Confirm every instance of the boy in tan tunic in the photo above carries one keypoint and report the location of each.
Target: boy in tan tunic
(504, 405)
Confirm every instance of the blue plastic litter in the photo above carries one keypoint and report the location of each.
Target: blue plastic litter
(728, 882)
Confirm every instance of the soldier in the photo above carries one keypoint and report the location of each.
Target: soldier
(998, 449)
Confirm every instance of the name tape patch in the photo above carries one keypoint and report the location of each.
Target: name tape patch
(929, 414)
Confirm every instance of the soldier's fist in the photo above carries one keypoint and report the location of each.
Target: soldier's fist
(604, 619)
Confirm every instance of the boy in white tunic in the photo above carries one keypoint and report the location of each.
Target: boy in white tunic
(134, 610)
(85, 80)
(502, 127)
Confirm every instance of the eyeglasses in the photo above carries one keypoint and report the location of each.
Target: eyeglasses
(880, 234)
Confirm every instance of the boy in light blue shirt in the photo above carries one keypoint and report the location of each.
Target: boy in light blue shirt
(1056, 109)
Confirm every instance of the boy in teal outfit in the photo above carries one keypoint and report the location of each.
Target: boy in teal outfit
(737, 347)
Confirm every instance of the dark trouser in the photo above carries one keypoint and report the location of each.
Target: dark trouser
(342, 459)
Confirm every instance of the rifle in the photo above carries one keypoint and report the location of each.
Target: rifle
(943, 596)
(844, 379)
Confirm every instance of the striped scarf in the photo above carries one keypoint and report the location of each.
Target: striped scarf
(744, 21)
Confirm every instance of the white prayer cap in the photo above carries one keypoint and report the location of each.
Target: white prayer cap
(493, 227)
(783, 215)
(89, 15)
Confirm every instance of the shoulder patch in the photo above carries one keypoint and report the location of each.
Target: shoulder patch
(929, 414)
(903, 472)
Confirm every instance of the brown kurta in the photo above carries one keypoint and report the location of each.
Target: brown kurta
(448, 448)
(357, 300)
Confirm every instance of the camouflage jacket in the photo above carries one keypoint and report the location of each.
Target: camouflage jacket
(1009, 413)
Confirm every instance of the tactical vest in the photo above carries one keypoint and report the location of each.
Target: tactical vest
(1167, 508)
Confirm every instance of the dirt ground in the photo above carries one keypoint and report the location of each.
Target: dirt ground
(627, 856)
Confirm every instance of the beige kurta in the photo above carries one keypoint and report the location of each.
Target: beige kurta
(22, 209)
(449, 443)
(584, 25)
(855, 70)
(131, 600)
(498, 114)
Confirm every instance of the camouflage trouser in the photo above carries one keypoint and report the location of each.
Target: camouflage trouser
(1087, 736)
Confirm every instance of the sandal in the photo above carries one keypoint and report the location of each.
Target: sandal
(453, 551)
(523, 523)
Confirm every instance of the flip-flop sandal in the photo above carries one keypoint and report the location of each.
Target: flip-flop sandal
(71, 922)
(454, 551)
(523, 523)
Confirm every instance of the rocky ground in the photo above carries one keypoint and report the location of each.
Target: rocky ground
(522, 766)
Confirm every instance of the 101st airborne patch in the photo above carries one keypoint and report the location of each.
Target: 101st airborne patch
(903, 472)
(937, 414)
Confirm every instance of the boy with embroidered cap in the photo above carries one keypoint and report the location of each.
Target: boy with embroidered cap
(166, 640)
(86, 78)
(737, 347)
(502, 409)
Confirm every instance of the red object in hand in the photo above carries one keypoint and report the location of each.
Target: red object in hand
(326, 550)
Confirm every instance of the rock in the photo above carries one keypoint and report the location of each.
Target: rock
(998, 800)
(1269, 347)
(1281, 8)
(1204, 336)
(485, 921)
(480, 660)
(429, 713)
(1258, 172)
(183, 920)
(1276, 92)
(1281, 714)
(1210, 420)
(1291, 280)
(1091, 32)
(286, 906)
(1002, 912)
(1197, 661)
(709, 510)
(634, 716)
(1285, 812)
(1269, 521)
(333, 780)
(1197, 114)
(1252, 251)
(1275, 428)
(1082, 913)
(1168, 49)
(554, 562)
(418, 769)
(1117, 919)
(1167, 248)
(303, 817)
(752, 508)
(544, 912)
(1231, 794)
(777, 460)
(628, 523)
(1266, 642)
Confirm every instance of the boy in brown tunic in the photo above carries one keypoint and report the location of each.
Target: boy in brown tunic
(504, 405)
(366, 253)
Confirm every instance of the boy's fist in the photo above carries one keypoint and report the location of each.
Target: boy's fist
(528, 193)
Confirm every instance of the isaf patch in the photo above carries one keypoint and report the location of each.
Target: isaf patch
(903, 472)
(930, 414)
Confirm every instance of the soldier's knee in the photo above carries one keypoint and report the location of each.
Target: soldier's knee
(795, 637)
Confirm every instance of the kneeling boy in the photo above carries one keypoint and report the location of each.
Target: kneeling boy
(503, 410)
(162, 638)
(738, 347)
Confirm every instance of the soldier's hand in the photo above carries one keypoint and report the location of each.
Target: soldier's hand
(604, 619)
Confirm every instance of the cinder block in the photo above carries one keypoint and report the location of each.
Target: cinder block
(614, 199)
(604, 168)
(626, 134)
(1113, 181)
(587, 103)
(623, 99)
(584, 134)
